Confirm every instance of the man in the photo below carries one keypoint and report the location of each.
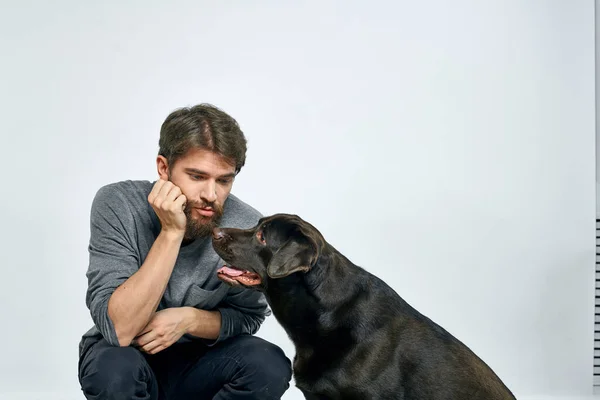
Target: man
(165, 327)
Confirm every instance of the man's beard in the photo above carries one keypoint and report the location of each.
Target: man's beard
(201, 226)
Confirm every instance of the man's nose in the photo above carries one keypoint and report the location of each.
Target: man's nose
(210, 192)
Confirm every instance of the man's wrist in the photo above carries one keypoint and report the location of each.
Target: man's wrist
(172, 235)
(191, 319)
(202, 323)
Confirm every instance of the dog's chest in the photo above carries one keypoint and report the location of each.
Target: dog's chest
(307, 367)
(313, 375)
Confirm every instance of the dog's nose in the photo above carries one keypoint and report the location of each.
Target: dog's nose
(218, 234)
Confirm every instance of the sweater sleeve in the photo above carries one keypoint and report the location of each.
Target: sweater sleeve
(242, 312)
(112, 257)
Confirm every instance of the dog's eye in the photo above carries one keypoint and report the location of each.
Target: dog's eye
(261, 237)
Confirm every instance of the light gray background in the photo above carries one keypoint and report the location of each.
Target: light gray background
(447, 147)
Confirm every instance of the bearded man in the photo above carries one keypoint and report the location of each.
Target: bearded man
(165, 327)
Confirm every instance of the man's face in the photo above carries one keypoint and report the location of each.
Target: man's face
(205, 178)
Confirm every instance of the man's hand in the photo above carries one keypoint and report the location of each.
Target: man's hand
(168, 325)
(164, 329)
(168, 202)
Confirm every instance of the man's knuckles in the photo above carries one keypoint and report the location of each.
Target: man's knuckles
(161, 333)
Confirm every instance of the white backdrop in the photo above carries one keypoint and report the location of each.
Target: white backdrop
(447, 147)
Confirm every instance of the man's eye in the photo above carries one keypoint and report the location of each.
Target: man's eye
(197, 177)
(224, 181)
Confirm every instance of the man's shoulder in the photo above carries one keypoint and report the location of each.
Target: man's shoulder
(127, 190)
(239, 214)
(125, 197)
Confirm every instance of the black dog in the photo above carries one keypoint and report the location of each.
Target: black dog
(355, 338)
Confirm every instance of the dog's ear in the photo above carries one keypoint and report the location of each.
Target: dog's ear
(295, 255)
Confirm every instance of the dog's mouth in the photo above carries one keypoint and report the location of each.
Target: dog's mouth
(236, 276)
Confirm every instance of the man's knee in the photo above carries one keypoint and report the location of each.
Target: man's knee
(268, 366)
(117, 373)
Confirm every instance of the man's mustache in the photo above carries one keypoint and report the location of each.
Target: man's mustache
(216, 207)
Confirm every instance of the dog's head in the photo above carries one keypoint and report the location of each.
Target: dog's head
(276, 247)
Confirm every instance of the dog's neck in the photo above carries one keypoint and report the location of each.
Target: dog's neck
(330, 274)
(303, 299)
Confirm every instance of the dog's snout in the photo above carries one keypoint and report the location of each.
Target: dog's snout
(218, 234)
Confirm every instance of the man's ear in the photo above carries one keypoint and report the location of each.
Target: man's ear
(162, 167)
(292, 257)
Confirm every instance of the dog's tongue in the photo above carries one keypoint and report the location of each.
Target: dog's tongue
(230, 271)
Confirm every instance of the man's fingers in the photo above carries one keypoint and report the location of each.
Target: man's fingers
(179, 203)
(163, 192)
(155, 190)
(153, 347)
(170, 193)
(144, 339)
(147, 348)
(162, 199)
(167, 195)
(157, 349)
(142, 333)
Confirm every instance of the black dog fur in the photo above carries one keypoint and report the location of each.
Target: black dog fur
(355, 337)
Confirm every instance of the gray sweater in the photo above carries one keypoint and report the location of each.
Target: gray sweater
(123, 227)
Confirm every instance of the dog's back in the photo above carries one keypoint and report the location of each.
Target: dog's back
(426, 360)
(367, 343)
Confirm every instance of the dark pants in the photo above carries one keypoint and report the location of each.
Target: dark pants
(244, 367)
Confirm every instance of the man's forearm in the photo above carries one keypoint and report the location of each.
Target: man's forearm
(132, 304)
(202, 323)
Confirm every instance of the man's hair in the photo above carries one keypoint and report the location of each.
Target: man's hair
(202, 126)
